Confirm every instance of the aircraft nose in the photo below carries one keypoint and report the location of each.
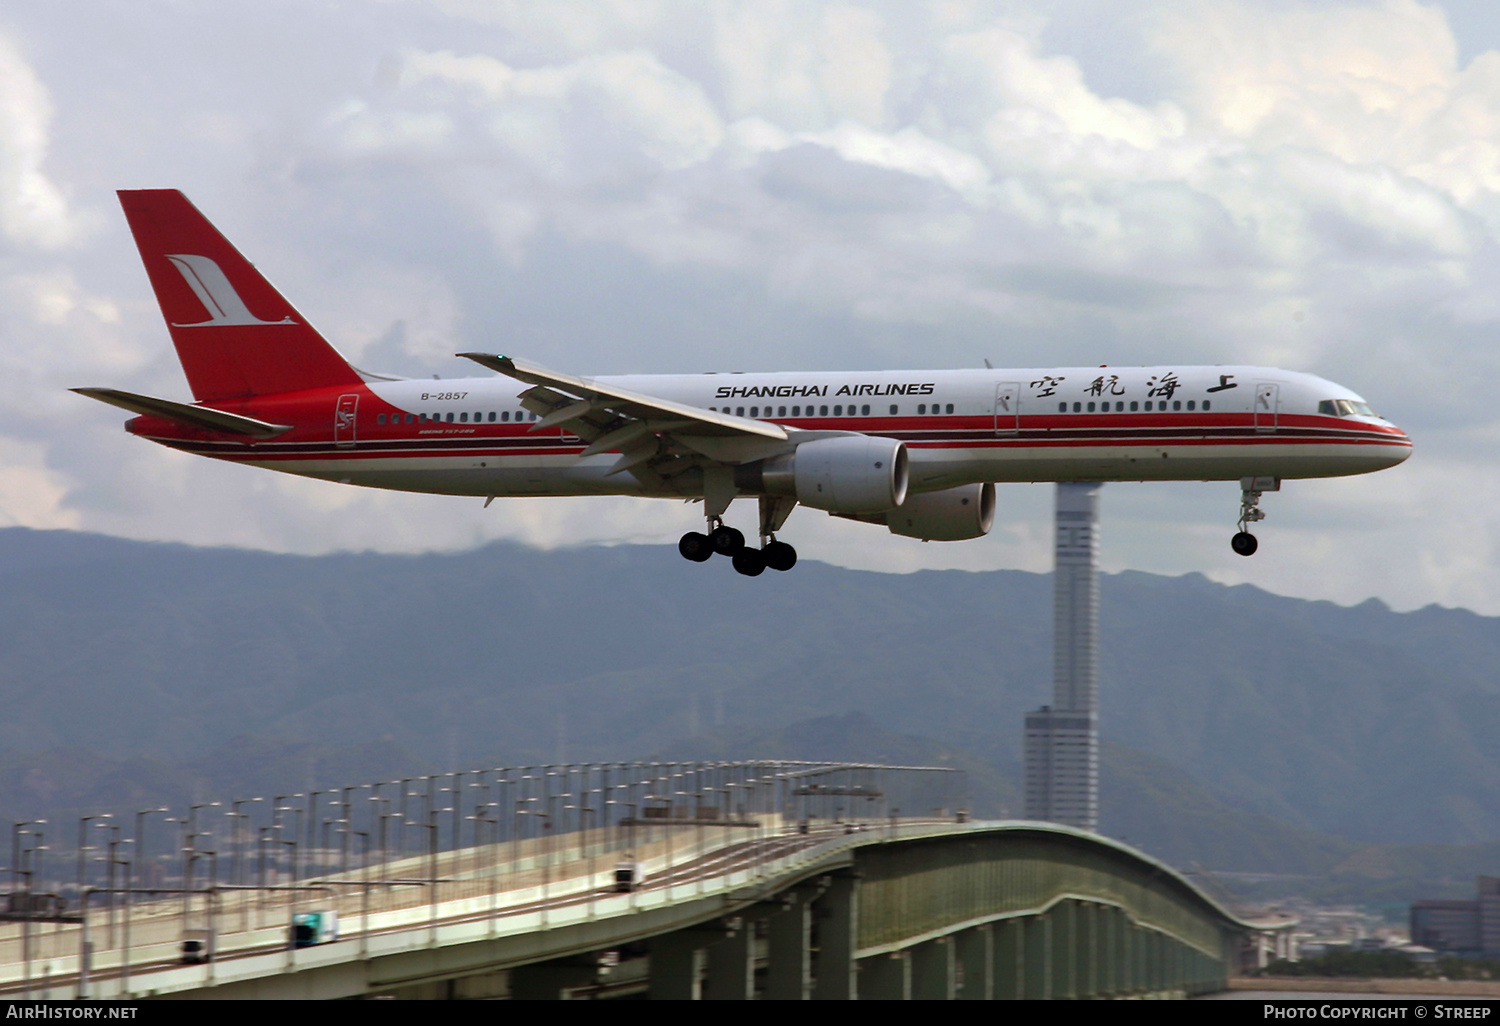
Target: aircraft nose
(1401, 451)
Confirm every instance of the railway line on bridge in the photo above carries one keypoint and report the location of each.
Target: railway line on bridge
(785, 894)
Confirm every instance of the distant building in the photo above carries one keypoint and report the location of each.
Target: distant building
(1062, 740)
(1467, 929)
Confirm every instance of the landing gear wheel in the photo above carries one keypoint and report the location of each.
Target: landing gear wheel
(726, 541)
(1244, 543)
(750, 562)
(695, 546)
(779, 555)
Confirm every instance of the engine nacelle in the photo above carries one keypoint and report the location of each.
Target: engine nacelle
(954, 514)
(844, 474)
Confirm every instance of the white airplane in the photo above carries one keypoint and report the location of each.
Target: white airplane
(916, 451)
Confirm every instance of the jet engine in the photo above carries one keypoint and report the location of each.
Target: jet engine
(954, 514)
(843, 474)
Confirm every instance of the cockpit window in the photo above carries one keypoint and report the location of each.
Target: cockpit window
(1345, 408)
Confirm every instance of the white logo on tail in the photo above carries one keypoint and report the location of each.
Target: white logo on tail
(213, 290)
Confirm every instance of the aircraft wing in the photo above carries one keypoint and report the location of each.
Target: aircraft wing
(656, 438)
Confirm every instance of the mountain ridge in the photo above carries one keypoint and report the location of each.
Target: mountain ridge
(1324, 718)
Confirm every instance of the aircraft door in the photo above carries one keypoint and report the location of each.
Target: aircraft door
(344, 420)
(1007, 408)
(1267, 406)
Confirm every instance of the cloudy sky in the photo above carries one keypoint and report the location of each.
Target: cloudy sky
(612, 187)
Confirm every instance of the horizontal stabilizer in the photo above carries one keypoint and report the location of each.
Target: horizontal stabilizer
(186, 413)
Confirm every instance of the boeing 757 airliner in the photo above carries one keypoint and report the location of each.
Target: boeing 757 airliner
(916, 451)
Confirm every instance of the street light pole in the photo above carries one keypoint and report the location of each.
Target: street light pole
(83, 845)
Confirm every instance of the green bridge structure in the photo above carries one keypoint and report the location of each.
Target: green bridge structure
(773, 901)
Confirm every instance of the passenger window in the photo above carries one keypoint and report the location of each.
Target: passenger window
(1062, 407)
(1177, 404)
(796, 411)
(838, 411)
(380, 419)
(739, 411)
(1120, 407)
(1077, 407)
(450, 418)
(781, 411)
(864, 411)
(463, 418)
(1148, 405)
(922, 408)
(1190, 405)
(894, 409)
(822, 411)
(1091, 407)
(950, 407)
(1134, 406)
(1205, 404)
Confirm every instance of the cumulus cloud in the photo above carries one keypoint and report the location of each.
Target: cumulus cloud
(622, 185)
(32, 208)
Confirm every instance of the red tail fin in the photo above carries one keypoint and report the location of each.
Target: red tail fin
(235, 334)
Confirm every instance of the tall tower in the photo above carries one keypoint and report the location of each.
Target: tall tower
(1062, 740)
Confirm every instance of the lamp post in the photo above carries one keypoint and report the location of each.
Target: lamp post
(546, 828)
(114, 860)
(296, 833)
(111, 861)
(405, 794)
(239, 822)
(17, 830)
(17, 873)
(432, 867)
(310, 849)
(492, 881)
(83, 845)
(364, 900)
(190, 844)
(291, 934)
(348, 808)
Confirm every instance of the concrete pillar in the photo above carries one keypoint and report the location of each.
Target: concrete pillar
(1139, 939)
(545, 981)
(1038, 958)
(731, 966)
(1064, 950)
(1107, 975)
(1010, 959)
(976, 963)
(789, 949)
(678, 962)
(933, 971)
(836, 914)
(886, 977)
(1156, 966)
(1086, 950)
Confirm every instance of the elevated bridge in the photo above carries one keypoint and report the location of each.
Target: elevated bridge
(758, 904)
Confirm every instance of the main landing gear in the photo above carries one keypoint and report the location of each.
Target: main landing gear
(1251, 488)
(724, 540)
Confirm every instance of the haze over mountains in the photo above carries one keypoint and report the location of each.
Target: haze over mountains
(1266, 723)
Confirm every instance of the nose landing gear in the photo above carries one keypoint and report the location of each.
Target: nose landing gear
(1245, 543)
